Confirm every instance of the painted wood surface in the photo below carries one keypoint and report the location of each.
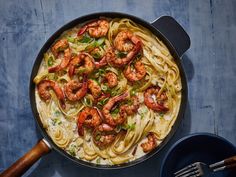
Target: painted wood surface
(210, 66)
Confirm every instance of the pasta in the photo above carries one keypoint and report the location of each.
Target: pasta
(108, 91)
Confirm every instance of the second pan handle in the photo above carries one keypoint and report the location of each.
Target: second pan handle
(25, 162)
(174, 32)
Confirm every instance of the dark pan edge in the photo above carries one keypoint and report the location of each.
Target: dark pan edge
(81, 20)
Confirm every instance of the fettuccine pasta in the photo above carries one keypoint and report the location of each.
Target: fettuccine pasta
(108, 91)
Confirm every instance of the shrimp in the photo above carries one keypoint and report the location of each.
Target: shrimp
(137, 74)
(132, 107)
(43, 90)
(103, 96)
(120, 62)
(61, 46)
(101, 63)
(111, 79)
(125, 41)
(74, 90)
(150, 144)
(88, 117)
(103, 135)
(107, 108)
(94, 87)
(95, 29)
(109, 55)
(85, 62)
(153, 101)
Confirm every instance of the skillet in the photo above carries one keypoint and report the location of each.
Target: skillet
(166, 29)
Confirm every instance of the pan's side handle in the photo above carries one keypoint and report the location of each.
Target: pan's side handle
(25, 162)
(174, 32)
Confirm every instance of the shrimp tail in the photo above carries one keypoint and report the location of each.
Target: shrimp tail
(54, 69)
(82, 30)
(80, 130)
(101, 63)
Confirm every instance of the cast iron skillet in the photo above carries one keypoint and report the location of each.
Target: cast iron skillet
(166, 29)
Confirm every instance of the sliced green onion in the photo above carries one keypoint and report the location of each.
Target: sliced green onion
(87, 101)
(121, 54)
(115, 111)
(98, 161)
(56, 122)
(52, 76)
(133, 92)
(57, 113)
(98, 137)
(50, 61)
(99, 42)
(85, 39)
(72, 152)
(103, 102)
(71, 39)
(104, 87)
(96, 55)
(80, 70)
(128, 127)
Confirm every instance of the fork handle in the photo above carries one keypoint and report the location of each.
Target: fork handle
(226, 163)
(230, 160)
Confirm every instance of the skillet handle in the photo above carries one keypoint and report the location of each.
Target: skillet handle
(174, 32)
(25, 162)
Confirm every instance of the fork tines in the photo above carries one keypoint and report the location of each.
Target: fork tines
(188, 171)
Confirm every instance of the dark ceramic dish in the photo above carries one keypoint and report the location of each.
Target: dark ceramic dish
(203, 147)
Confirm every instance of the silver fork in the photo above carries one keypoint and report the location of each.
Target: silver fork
(201, 169)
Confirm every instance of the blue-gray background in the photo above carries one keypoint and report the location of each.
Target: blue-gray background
(210, 66)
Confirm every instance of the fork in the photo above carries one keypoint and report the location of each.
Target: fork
(201, 169)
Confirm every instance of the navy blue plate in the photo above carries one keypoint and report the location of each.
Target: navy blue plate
(204, 147)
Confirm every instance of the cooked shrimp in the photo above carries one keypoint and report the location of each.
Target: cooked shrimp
(88, 117)
(150, 144)
(107, 56)
(61, 46)
(103, 96)
(95, 29)
(131, 108)
(120, 62)
(125, 41)
(153, 101)
(104, 135)
(107, 109)
(85, 63)
(43, 90)
(94, 87)
(74, 90)
(111, 78)
(101, 63)
(137, 74)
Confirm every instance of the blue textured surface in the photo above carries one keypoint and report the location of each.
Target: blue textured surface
(210, 65)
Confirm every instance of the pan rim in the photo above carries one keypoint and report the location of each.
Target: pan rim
(85, 18)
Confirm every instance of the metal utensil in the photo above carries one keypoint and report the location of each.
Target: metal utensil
(201, 169)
